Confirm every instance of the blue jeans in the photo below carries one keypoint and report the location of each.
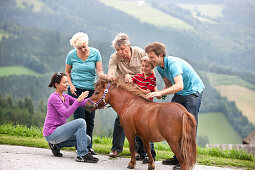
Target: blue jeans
(191, 102)
(80, 112)
(71, 134)
(118, 136)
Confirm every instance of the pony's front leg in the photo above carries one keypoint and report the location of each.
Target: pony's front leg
(147, 148)
(131, 140)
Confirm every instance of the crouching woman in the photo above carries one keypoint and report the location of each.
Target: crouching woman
(56, 131)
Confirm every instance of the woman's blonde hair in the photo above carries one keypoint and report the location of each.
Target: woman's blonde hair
(79, 39)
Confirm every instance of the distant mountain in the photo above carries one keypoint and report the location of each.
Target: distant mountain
(219, 44)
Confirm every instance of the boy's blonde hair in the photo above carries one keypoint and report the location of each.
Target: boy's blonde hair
(146, 59)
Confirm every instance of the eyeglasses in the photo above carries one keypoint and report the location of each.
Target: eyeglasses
(59, 74)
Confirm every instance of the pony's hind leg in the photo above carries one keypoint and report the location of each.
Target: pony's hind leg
(147, 148)
(176, 148)
(131, 140)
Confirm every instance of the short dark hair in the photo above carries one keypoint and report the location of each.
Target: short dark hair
(56, 78)
(157, 48)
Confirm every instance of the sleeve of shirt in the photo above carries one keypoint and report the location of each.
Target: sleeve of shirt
(98, 56)
(152, 84)
(160, 71)
(175, 68)
(113, 62)
(81, 104)
(62, 109)
(69, 58)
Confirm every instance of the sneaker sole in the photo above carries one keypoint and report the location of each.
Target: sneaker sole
(87, 161)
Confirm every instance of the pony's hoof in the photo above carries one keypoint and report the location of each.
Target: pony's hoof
(151, 167)
(130, 166)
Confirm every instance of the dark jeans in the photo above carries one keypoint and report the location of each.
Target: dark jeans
(118, 136)
(140, 149)
(80, 112)
(191, 102)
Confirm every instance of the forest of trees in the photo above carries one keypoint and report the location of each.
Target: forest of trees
(22, 112)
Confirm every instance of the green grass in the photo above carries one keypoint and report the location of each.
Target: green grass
(148, 14)
(211, 10)
(237, 90)
(16, 70)
(21, 135)
(36, 4)
(222, 80)
(2, 34)
(218, 130)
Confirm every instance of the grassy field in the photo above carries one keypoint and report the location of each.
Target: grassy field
(148, 14)
(22, 135)
(37, 5)
(243, 97)
(218, 130)
(16, 70)
(237, 90)
(210, 10)
(223, 80)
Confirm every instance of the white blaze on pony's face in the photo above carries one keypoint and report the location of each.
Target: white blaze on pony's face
(97, 100)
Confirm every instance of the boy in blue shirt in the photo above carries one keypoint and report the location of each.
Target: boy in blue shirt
(180, 79)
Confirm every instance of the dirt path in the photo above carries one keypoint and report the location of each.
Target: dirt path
(24, 158)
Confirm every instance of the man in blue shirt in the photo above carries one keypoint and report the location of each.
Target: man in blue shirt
(180, 79)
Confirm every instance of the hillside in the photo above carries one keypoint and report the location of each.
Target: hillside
(16, 70)
(237, 90)
(146, 13)
(242, 97)
(217, 129)
(208, 43)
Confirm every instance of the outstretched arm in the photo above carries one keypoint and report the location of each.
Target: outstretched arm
(99, 70)
(178, 86)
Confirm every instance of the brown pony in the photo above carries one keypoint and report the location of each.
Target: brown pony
(152, 122)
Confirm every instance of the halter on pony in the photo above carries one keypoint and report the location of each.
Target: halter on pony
(102, 98)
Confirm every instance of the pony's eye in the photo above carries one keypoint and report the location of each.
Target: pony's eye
(97, 92)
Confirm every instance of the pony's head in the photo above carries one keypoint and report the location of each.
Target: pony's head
(99, 98)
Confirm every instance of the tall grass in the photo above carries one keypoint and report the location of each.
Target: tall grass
(21, 130)
(34, 132)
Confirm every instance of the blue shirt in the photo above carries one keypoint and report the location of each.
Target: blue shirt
(83, 73)
(175, 66)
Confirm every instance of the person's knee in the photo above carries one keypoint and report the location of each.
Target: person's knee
(81, 122)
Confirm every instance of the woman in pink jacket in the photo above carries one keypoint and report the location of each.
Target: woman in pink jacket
(56, 130)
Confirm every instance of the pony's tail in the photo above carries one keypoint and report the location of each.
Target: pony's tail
(188, 140)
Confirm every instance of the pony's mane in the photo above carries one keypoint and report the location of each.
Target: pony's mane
(131, 87)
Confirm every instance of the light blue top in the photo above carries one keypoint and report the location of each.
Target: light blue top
(175, 66)
(83, 73)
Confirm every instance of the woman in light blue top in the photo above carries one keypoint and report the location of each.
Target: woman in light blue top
(83, 63)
